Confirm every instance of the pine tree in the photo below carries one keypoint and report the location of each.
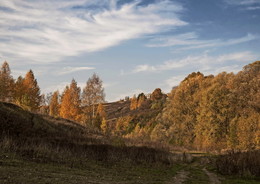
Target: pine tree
(6, 83)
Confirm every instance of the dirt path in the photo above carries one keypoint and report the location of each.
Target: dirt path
(213, 178)
(180, 177)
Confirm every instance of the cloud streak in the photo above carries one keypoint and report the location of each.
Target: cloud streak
(191, 40)
(48, 31)
(68, 70)
(205, 62)
(246, 4)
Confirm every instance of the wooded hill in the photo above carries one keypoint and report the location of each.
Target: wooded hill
(210, 113)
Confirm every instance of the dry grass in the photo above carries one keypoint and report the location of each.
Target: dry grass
(246, 164)
(59, 140)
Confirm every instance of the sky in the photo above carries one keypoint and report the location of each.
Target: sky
(133, 45)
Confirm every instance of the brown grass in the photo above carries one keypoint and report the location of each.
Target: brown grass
(246, 164)
(54, 139)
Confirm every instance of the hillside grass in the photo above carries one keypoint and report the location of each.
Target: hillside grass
(42, 149)
(16, 169)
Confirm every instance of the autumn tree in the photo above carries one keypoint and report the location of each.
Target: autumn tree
(215, 112)
(141, 99)
(244, 132)
(70, 102)
(93, 93)
(181, 112)
(19, 90)
(54, 104)
(157, 94)
(65, 104)
(134, 103)
(101, 110)
(6, 83)
(30, 94)
(104, 126)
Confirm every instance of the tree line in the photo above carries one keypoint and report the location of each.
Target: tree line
(71, 104)
(214, 112)
(202, 112)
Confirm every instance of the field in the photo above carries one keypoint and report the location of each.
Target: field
(22, 170)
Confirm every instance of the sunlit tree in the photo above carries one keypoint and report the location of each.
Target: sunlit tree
(6, 83)
(54, 104)
(93, 93)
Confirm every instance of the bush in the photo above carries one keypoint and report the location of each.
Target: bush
(246, 164)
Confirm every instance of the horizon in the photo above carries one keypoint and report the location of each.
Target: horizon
(134, 46)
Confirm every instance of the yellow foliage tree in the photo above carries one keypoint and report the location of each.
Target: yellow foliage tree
(54, 104)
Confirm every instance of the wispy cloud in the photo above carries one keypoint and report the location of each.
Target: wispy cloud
(246, 4)
(253, 8)
(67, 70)
(61, 86)
(204, 61)
(191, 40)
(48, 31)
(207, 65)
(242, 2)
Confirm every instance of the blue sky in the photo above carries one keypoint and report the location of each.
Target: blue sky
(134, 46)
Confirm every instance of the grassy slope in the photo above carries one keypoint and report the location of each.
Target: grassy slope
(41, 149)
(18, 170)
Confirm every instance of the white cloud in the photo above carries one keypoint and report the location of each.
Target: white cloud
(204, 61)
(253, 8)
(242, 2)
(245, 4)
(48, 31)
(144, 68)
(191, 40)
(67, 70)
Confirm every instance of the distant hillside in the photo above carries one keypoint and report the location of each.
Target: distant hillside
(57, 139)
(115, 110)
